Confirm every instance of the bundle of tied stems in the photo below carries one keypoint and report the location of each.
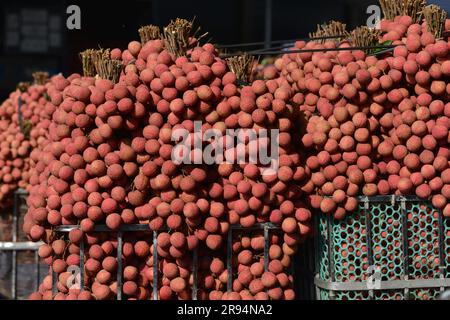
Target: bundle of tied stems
(179, 36)
(330, 29)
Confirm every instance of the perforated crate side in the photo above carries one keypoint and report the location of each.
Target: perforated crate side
(402, 237)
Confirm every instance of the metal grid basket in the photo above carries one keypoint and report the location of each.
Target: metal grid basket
(265, 228)
(21, 270)
(391, 248)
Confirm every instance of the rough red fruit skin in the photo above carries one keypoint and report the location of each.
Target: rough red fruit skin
(423, 191)
(214, 241)
(269, 279)
(75, 235)
(114, 221)
(289, 225)
(178, 284)
(327, 205)
(178, 240)
(130, 288)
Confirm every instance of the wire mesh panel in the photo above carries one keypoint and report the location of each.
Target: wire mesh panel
(391, 248)
(446, 245)
(423, 247)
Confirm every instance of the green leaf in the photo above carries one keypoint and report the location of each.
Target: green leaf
(386, 43)
(378, 50)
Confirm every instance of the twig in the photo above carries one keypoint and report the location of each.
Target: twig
(390, 8)
(106, 67)
(251, 44)
(241, 66)
(435, 18)
(414, 9)
(180, 37)
(87, 62)
(149, 32)
(40, 77)
(365, 36)
(23, 86)
(333, 29)
(276, 52)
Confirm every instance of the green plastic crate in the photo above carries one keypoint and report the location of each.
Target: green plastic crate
(391, 248)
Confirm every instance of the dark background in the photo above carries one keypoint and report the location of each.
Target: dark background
(113, 24)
